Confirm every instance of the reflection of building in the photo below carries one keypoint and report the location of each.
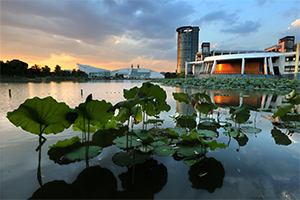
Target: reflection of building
(138, 73)
(187, 46)
(277, 60)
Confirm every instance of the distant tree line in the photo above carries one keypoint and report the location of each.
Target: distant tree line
(19, 68)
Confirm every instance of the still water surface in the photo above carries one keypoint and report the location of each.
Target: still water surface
(261, 169)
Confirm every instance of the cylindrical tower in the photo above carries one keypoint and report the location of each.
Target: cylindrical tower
(187, 46)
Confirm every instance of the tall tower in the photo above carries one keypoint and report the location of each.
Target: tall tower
(187, 46)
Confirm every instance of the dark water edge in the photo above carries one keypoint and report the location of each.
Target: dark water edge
(19, 79)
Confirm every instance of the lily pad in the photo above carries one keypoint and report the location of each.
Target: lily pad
(42, 116)
(80, 153)
(191, 161)
(164, 151)
(249, 129)
(191, 150)
(213, 144)
(205, 133)
(121, 142)
(66, 142)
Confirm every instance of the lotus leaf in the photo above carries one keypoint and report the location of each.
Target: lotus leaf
(145, 136)
(128, 159)
(164, 151)
(205, 133)
(240, 114)
(92, 112)
(146, 149)
(191, 150)
(191, 161)
(80, 153)
(39, 116)
(121, 142)
(249, 129)
(153, 121)
(181, 97)
(213, 144)
(66, 142)
(283, 109)
(104, 138)
(280, 138)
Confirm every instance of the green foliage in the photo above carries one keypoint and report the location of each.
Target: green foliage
(240, 114)
(80, 153)
(129, 159)
(39, 116)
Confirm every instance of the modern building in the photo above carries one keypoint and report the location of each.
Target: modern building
(187, 46)
(93, 72)
(277, 60)
(138, 73)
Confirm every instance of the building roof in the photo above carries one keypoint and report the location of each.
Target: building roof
(89, 69)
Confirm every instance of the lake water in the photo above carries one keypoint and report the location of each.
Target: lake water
(263, 168)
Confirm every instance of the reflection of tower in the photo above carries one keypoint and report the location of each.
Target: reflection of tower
(131, 66)
(182, 108)
(138, 66)
(187, 46)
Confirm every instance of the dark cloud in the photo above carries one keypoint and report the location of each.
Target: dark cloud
(216, 17)
(243, 28)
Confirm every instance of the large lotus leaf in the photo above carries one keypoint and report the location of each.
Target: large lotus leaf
(145, 136)
(88, 127)
(92, 112)
(125, 104)
(80, 153)
(66, 142)
(242, 139)
(164, 151)
(249, 129)
(136, 113)
(205, 108)
(151, 90)
(201, 97)
(213, 144)
(240, 114)
(283, 109)
(123, 115)
(181, 97)
(191, 150)
(129, 94)
(57, 154)
(129, 158)
(280, 138)
(132, 141)
(46, 115)
(111, 124)
(186, 121)
(157, 143)
(146, 149)
(104, 138)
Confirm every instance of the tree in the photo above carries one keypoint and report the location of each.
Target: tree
(14, 68)
(46, 71)
(57, 70)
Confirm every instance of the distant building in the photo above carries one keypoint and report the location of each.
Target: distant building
(276, 60)
(93, 72)
(136, 73)
(187, 46)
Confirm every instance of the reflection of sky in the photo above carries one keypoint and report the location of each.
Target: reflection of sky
(261, 167)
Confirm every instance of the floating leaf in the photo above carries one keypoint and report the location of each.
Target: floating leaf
(145, 136)
(164, 151)
(153, 121)
(191, 150)
(191, 161)
(80, 153)
(205, 133)
(213, 144)
(121, 142)
(66, 142)
(42, 116)
(104, 138)
(146, 148)
(249, 129)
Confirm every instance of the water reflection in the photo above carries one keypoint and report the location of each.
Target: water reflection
(208, 174)
(139, 182)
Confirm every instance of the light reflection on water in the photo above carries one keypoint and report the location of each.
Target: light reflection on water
(260, 169)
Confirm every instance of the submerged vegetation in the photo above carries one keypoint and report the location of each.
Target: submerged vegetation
(280, 85)
(132, 125)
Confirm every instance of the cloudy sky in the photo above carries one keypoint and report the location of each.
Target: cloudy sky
(114, 34)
